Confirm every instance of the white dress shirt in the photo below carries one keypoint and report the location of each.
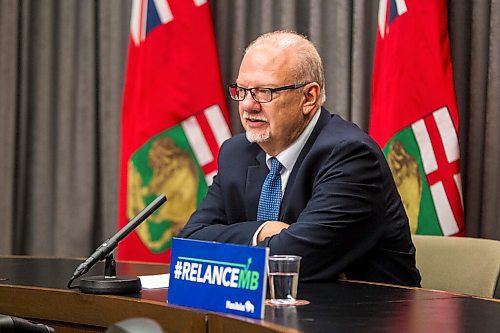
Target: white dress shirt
(287, 158)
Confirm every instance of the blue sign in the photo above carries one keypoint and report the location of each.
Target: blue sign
(219, 277)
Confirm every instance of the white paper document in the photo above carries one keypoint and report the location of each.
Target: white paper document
(155, 281)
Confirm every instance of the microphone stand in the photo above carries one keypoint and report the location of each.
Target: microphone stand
(110, 283)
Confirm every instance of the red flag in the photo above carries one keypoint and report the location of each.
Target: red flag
(414, 113)
(173, 122)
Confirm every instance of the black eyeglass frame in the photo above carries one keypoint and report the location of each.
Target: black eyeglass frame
(271, 90)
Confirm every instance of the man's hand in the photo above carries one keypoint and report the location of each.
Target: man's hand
(271, 228)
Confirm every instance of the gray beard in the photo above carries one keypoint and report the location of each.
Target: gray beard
(257, 138)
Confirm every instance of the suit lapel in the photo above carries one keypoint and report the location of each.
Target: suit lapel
(324, 118)
(255, 178)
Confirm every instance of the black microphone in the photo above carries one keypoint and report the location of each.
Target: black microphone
(109, 245)
(11, 324)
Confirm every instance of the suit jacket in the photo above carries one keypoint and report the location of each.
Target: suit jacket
(344, 211)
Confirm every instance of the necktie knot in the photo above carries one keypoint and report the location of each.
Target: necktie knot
(275, 166)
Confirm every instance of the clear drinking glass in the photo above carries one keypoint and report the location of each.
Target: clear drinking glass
(283, 278)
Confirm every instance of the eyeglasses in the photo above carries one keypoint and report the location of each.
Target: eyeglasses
(260, 95)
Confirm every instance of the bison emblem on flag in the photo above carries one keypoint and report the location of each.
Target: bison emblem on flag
(425, 163)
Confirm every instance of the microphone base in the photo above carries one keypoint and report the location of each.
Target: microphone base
(114, 285)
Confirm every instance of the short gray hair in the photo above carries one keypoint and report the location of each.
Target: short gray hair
(310, 66)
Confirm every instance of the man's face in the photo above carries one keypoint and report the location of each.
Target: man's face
(276, 124)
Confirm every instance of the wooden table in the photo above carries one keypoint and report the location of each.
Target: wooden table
(36, 288)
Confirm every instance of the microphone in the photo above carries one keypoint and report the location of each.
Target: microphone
(105, 249)
(13, 324)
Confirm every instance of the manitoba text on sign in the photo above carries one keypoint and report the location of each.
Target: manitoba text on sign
(218, 277)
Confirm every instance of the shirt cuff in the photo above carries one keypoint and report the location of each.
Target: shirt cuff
(254, 238)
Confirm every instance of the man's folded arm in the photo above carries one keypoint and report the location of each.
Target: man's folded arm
(238, 233)
(210, 223)
(341, 222)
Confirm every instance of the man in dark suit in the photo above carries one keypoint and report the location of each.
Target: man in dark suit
(339, 209)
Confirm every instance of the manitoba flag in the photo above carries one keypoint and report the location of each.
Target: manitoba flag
(414, 113)
(174, 120)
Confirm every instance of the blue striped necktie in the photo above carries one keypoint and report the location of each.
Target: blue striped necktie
(270, 195)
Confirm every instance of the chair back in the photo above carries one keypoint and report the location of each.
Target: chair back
(459, 264)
